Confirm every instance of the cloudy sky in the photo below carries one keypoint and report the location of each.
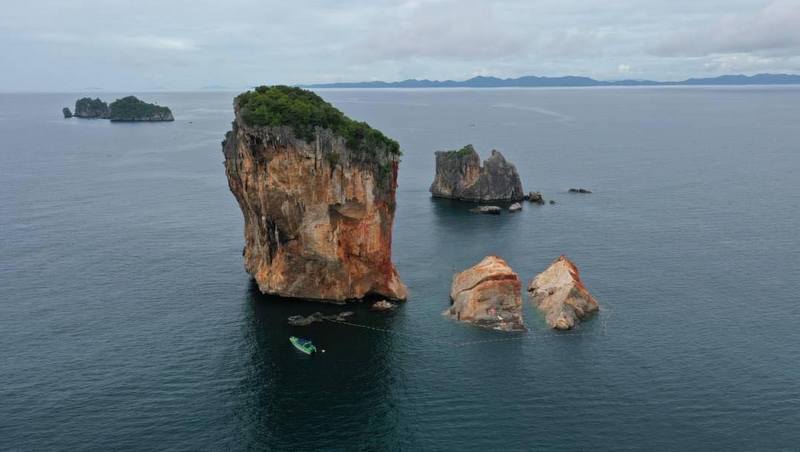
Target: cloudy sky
(50, 45)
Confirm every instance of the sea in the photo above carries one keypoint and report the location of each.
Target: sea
(127, 321)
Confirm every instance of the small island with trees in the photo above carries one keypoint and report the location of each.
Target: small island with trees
(127, 109)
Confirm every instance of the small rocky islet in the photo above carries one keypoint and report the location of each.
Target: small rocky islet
(317, 193)
(461, 176)
(560, 294)
(126, 109)
(488, 295)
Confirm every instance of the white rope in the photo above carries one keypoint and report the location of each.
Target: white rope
(540, 334)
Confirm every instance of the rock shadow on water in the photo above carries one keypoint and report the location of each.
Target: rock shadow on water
(290, 400)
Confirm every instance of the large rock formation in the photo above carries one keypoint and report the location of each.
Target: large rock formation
(66, 112)
(317, 191)
(560, 294)
(91, 108)
(459, 175)
(487, 295)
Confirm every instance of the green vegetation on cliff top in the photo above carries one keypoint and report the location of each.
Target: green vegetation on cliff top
(466, 150)
(303, 111)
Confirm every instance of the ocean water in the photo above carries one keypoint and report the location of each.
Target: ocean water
(127, 321)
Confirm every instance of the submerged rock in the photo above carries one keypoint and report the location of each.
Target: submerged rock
(487, 295)
(535, 197)
(382, 305)
(516, 207)
(318, 197)
(491, 210)
(459, 175)
(66, 112)
(560, 294)
(579, 190)
(299, 320)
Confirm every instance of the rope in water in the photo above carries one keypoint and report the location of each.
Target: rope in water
(383, 330)
(548, 335)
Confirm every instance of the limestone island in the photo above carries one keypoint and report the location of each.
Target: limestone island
(127, 109)
(317, 192)
(459, 175)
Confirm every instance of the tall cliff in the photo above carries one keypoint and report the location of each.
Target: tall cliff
(459, 175)
(317, 191)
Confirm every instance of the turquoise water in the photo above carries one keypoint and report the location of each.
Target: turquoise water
(128, 323)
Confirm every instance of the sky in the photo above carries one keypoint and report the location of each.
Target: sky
(112, 45)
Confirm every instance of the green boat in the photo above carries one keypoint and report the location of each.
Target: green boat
(304, 345)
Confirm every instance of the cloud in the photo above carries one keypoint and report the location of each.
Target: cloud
(146, 43)
(442, 29)
(155, 42)
(571, 42)
(54, 37)
(743, 62)
(773, 30)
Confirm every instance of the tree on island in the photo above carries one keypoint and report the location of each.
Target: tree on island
(132, 109)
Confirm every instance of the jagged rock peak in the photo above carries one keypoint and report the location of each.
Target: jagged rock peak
(460, 175)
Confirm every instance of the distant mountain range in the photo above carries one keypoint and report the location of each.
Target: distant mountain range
(533, 81)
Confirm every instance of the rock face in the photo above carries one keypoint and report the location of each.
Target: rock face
(318, 207)
(67, 114)
(487, 295)
(91, 108)
(560, 294)
(131, 109)
(459, 175)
